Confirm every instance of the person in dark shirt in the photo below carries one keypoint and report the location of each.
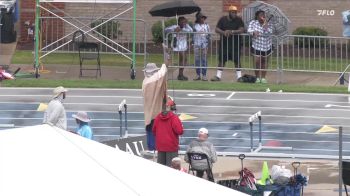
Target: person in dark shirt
(229, 27)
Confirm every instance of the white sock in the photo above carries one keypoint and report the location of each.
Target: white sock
(219, 73)
(239, 74)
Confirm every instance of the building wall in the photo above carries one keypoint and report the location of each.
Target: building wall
(305, 13)
(27, 14)
(300, 13)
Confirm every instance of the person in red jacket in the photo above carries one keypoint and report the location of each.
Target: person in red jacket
(167, 128)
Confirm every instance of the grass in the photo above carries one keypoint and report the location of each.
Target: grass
(289, 63)
(26, 57)
(137, 84)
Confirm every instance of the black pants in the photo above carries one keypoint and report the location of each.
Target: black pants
(200, 173)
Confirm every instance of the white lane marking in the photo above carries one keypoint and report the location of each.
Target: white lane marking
(234, 135)
(282, 140)
(7, 125)
(183, 105)
(200, 95)
(243, 115)
(229, 97)
(338, 106)
(211, 122)
(179, 90)
(192, 96)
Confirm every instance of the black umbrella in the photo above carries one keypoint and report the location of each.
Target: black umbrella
(174, 8)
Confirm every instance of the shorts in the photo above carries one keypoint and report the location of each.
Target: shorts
(261, 53)
(230, 54)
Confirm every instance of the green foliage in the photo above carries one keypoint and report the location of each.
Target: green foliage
(110, 29)
(310, 42)
(157, 31)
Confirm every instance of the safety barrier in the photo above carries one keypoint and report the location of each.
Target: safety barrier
(251, 119)
(120, 111)
(294, 53)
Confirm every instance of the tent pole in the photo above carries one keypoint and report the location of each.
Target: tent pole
(36, 49)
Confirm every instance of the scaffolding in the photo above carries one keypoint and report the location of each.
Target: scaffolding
(130, 5)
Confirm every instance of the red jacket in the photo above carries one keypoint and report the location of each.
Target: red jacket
(167, 129)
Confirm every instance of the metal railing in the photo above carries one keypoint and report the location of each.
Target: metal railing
(293, 53)
(314, 53)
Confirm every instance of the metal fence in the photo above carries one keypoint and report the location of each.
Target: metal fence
(314, 53)
(322, 54)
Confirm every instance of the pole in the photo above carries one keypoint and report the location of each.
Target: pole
(340, 160)
(126, 120)
(37, 15)
(121, 123)
(134, 36)
(260, 132)
(251, 136)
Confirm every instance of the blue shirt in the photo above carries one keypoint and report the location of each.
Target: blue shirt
(85, 130)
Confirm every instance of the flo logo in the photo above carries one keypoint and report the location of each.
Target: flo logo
(325, 12)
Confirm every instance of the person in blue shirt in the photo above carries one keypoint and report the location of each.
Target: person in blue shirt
(83, 120)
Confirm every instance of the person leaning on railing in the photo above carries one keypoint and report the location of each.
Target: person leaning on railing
(181, 45)
(229, 27)
(261, 30)
(201, 42)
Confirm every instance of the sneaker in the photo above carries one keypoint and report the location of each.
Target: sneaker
(258, 80)
(197, 78)
(263, 80)
(204, 78)
(215, 79)
(182, 77)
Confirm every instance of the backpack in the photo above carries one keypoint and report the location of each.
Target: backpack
(247, 79)
(247, 179)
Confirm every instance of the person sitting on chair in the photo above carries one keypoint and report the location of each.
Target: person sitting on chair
(202, 145)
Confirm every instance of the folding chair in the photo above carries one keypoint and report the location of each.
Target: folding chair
(193, 157)
(87, 51)
(346, 175)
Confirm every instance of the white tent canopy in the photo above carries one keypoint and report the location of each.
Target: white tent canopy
(43, 160)
(85, 1)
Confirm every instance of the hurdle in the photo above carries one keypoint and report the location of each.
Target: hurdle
(251, 119)
(120, 111)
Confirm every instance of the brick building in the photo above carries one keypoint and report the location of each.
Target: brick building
(321, 13)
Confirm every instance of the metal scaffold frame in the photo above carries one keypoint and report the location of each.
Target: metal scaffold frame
(39, 7)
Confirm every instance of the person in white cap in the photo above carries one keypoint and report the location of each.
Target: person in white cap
(83, 120)
(55, 114)
(154, 88)
(202, 145)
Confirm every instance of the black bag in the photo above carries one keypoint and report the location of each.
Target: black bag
(247, 79)
(8, 33)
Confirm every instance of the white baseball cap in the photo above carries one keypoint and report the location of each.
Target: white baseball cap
(203, 131)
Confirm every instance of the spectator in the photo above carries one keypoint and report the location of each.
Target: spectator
(176, 164)
(83, 120)
(180, 45)
(261, 31)
(55, 114)
(230, 42)
(201, 43)
(167, 128)
(153, 90)
(202, 145)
